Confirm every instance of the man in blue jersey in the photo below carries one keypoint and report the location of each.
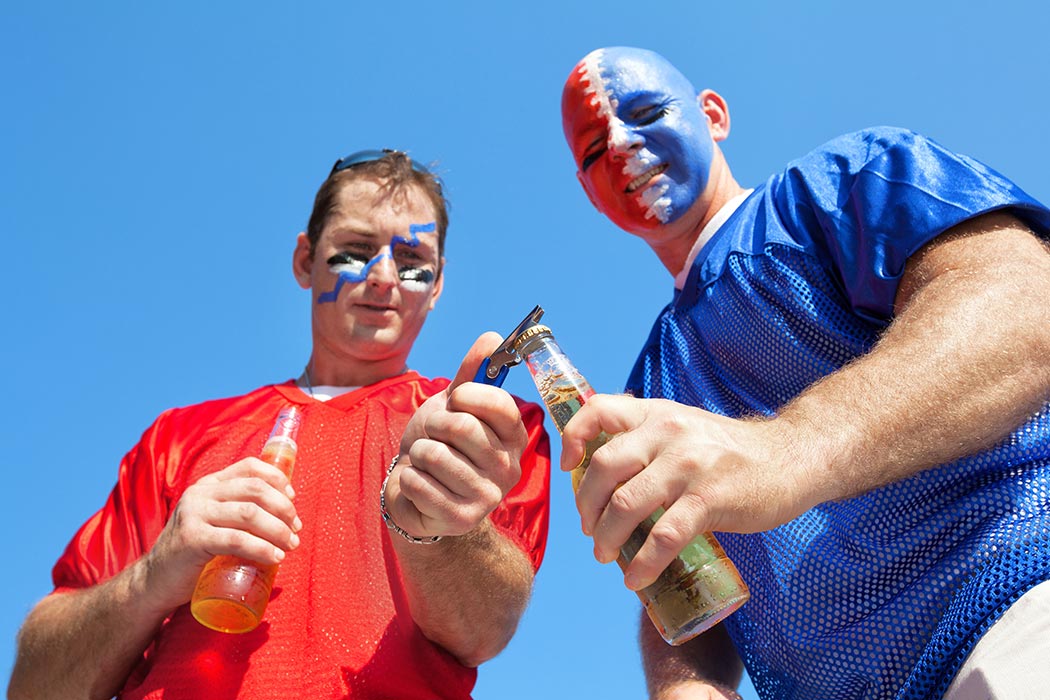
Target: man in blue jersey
(850, 385)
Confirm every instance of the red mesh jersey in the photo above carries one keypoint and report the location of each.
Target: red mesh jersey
(338, 624)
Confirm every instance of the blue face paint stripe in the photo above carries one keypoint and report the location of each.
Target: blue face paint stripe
(422, 228)
(344, 277)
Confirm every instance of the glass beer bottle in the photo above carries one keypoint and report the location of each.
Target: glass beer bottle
(232, 593)
(701, 586)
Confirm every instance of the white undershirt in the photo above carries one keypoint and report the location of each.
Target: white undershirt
(705, 235)
(326, 392)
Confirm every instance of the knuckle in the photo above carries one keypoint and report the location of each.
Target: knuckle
(695, 503)
(233, 540)
(246, 512)
(425, 452)
(621, 503)
(256, 487)
(491, 496)
(672, 423)
(667, 537)
(460, 422)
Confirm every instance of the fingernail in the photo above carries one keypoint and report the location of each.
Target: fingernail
(289, 491)
(631, 581)
(297, 524)
(295, 540)
(278, 554)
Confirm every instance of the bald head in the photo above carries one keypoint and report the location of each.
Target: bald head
(638, 135)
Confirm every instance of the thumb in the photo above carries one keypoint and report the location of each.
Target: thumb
(484, 346)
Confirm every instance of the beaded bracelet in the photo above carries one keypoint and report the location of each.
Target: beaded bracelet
(391, 525)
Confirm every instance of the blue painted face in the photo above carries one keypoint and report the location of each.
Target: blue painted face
(641, 142)
(413, 271)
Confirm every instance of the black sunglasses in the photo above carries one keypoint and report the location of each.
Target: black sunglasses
(373, 155)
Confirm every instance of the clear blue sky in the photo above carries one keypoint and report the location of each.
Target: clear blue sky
(159, 159)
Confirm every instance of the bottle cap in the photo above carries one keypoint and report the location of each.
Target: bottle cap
(530, 333)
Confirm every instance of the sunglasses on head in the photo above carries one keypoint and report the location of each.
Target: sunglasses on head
(370, 156)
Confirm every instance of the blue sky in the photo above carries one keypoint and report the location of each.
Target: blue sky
(160, 158)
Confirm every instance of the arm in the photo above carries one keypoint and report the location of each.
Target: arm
(963, 363)
(705, 668)
(84, 643)
(467, 593)
(460, 455)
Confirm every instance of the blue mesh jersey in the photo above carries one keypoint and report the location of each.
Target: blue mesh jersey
(883, 595)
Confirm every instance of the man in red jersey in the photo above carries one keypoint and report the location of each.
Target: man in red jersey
(405, 605)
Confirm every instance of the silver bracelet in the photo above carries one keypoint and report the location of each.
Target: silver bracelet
(391, 525)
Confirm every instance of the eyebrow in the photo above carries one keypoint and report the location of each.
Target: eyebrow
(352, 230)
(648, 98)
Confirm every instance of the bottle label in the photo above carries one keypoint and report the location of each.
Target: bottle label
(287, 424)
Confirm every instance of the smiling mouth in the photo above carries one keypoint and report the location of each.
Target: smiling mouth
(645, 177)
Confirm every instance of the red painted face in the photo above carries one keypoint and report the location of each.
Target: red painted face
(641, 143)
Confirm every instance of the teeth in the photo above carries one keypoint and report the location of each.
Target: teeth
(645, 177)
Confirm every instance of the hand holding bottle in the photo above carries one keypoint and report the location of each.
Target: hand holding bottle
(709, 471)
(244, 509)
(232, 591)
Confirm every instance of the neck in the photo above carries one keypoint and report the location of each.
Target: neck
(322, 370)
(675, 240)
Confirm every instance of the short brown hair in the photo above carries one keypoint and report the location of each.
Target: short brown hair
(396, 171)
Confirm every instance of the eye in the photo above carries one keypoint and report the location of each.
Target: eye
(348, 258)
(593, 152)
(408, 253)
(414, 258)
(648, 115)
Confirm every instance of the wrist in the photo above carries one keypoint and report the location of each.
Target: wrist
(389, 521)
(803, 454)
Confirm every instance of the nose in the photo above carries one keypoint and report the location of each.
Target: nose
(383, 272)
(623, 139)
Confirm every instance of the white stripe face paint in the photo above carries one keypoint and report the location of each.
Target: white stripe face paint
(605, 103)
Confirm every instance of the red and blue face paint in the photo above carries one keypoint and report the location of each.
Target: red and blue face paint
(641, 143)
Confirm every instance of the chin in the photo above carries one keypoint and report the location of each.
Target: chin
(638, 225)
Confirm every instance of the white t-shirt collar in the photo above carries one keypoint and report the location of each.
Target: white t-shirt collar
(705, 235)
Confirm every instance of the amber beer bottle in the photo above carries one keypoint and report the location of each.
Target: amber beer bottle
(232, 593)
(701, 586)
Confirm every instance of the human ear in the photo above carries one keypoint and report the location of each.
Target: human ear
(302, 259)
(439, 286)
(716, 110)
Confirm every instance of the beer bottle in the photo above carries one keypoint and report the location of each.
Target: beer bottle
(232, 593)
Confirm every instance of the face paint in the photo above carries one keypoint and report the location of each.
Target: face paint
(416, 279)
(354, 267)
(640, 140)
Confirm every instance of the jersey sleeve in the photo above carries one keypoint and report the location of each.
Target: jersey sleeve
(870, 200)
(524, 514)
(126, 526)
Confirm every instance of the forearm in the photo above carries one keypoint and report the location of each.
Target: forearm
(467, 593)
(963, 364)
(707, 666)
(83, 644)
